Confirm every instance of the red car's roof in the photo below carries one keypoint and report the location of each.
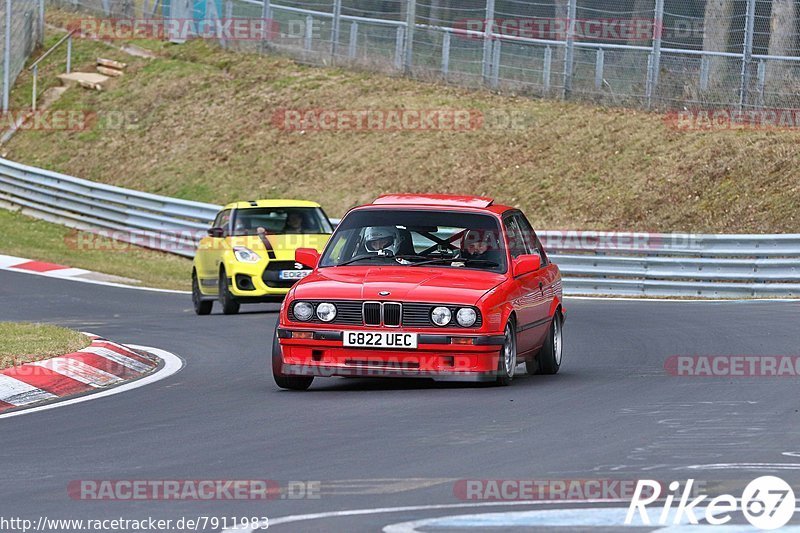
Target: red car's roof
(434, 200)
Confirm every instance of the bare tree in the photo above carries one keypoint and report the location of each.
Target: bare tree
(717, 25)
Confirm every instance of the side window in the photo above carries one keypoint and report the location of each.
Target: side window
(223, 220)
(516, 242)
(531, 239)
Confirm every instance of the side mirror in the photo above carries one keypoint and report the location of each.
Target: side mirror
(525, 264)
(307, 256)
(216, 232)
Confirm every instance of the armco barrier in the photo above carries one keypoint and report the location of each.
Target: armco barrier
(593, 263)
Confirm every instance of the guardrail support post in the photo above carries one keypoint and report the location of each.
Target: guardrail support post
(569, 52)
(488, 35)
(411, 21)
(445, 54)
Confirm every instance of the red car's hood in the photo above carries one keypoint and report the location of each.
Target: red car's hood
(406, 284)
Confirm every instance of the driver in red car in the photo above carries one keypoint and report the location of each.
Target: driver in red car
(382, 240)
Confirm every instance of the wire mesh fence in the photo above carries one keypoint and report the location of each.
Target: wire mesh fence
(22, 23)
(664, 54)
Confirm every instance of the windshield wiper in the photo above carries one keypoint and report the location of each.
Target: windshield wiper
(359, 258)
(490, 264)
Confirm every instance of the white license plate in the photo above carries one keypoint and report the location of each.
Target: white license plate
(293, 274)
(380, 339)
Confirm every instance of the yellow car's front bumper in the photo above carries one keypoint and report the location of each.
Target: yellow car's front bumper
(262, 279)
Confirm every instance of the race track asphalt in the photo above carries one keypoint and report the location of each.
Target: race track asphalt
(612, 413)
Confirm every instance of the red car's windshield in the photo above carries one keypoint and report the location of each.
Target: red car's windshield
(449, 239)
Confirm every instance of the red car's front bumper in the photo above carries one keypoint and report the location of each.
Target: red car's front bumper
(438, 356)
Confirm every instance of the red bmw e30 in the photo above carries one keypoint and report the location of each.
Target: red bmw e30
(436, 286)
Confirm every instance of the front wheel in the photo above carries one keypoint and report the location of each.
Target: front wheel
(229, 305)
(201, 306)
(507, 362)
(283, 381)
(550, 356)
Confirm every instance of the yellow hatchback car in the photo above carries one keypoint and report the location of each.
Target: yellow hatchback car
(248, 255)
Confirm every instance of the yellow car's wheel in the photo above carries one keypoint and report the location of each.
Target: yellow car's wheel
(201, 306)
(229, 304)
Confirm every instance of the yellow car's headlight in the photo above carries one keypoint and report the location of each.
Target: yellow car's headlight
(245, 255)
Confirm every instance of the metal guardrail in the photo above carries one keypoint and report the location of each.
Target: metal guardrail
(593, 263)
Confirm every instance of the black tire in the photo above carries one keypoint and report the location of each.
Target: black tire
(507, 362)
(549, 360)
(229, 304)
(283, 381)
(201, 306)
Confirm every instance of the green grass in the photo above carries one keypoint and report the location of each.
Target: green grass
(23, 342)
(34, 239)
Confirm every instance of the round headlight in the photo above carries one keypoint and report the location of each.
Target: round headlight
(441, 316)
(326, 312)
(303, 311)
(466, 317)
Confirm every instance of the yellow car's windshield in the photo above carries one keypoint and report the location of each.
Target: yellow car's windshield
(281, 221)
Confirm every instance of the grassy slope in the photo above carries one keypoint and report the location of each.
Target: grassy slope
(34, 239)
(204, 132)
(21, 342)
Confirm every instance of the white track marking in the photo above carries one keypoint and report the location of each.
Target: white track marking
(79, 371)
(111, 355)
(172, 365)
(744, 466)
(383, 510)
(19, 393)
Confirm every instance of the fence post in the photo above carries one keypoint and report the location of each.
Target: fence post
(658, 25)
(337, 20)
(747, 53)
(598, 69)
(548, 60)
(569, 52)
(228, 16)
(762, 79)
(399, 42)
(266, 20)
(33, 90)
(496, 63)
(445, 54)
(352, 48)
(411, 20)
(41, 22)
(106, 8)
(705, 66)
(7, 57)
(488, 31)
(309, 33)
(69, 54)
